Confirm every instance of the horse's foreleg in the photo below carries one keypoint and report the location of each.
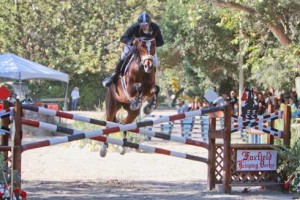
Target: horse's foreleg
(153, 102)
(137, 103)
(131, 116)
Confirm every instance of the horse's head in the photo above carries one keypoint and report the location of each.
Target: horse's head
(146, 50)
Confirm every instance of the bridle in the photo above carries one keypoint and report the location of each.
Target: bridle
(147, 56)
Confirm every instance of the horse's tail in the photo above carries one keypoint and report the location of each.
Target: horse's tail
(111, 106)
(108, 101)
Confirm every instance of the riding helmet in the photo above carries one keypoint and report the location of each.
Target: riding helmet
(144, 18)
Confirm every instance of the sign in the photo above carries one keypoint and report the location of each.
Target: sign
(211, 96)
(4, 92)
(256, 160)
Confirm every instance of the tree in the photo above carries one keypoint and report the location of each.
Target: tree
(79, 37)
(198, 46)
(269, 55)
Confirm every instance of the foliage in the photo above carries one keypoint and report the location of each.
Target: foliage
(269, 39)
(5, 180)
(195, 39)
(289, 160)
(6, 173)
(79, 37)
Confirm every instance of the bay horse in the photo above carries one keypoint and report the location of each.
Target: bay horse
(135, 87)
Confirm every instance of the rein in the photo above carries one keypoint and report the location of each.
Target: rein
(123, 80)
(124, 87)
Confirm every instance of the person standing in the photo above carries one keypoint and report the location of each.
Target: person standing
(75, 98)
(13, 98)
(221, 100)
(233, 99)
(182, 107)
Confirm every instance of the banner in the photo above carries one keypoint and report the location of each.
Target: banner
(256, 160)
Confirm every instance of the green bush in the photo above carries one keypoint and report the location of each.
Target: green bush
(289, 160)
(5, 176)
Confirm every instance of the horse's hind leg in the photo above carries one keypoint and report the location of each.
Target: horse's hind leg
(111, 110)
(153, 102)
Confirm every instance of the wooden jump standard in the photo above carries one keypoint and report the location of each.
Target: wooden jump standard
(214, 134)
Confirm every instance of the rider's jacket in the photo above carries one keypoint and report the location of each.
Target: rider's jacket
(135, 31)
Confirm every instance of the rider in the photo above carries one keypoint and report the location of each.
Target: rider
(143, 28)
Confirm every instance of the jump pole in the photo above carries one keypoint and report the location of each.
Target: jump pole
(138, 124)
(65, 139)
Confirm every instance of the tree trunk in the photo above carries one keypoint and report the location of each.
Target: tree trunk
(277, 29)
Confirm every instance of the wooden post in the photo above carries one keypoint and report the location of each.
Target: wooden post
(18, 139)
(270, 138)
(287, 126)
(227, 150)
(5, 123)
(211, 167)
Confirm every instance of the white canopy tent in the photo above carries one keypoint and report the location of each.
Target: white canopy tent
(17, 68)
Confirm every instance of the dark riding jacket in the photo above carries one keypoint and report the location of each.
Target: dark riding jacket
(135, 31)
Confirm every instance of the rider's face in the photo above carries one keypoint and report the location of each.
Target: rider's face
(145, 27)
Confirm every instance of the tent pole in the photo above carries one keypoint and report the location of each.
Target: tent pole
(66, 98)
(20, 87)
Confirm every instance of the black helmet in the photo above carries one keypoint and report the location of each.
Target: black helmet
(144, 18)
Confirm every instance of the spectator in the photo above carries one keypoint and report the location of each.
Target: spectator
(75, 98)
(293, 108)
(261, 104)
(294, 96)
(286, 101)
(236, 109)
(269, 98)
(27, 100)
(221, 100)
(233, 99)
(12, 100)
(195, 104)
(276, 103)
(182, 107)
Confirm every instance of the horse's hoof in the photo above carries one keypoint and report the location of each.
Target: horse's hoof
(103, 150)
(135, 106)
(147, 110)
(122, 150)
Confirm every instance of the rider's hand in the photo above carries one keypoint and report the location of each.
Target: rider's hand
(135, 41)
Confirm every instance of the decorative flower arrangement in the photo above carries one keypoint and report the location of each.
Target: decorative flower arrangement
(5, 185)
(5, 193)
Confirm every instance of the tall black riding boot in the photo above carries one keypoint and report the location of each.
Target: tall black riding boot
(114, 77)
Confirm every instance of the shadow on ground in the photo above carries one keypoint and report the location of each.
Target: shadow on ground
(119, 189)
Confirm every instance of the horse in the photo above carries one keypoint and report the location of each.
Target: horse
(135, 87)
